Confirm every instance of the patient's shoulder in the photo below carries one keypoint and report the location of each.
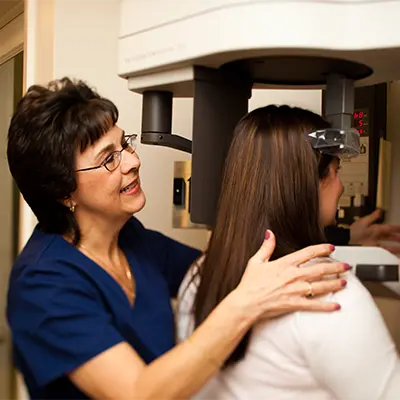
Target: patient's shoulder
(321, 260)
(353, 298)
(191, 281)
(186, 297)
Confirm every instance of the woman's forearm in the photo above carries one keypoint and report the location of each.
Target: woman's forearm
(181, 372)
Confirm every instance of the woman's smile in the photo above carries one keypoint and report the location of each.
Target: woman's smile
(132, 188)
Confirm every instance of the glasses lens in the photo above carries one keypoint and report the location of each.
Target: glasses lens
(113, 161)
(131, 143)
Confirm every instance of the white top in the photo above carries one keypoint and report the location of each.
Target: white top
(344, 355)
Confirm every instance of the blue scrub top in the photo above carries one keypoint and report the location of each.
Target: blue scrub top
(63, 309)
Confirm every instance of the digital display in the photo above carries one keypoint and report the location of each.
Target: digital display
(361, 121)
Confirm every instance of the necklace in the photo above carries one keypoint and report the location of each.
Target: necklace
(125, 279)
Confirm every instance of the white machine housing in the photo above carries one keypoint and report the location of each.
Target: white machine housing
(160, 41)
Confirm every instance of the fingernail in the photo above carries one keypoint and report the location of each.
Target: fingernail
(332, 247)
(344, 283)
(337, 307)
(347, 267)
(267, 235)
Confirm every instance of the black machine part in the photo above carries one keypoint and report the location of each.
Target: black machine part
(377, 273)
(221, 99)
(157, 122)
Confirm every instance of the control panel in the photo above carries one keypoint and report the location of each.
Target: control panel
(355, 173)
(181, 196)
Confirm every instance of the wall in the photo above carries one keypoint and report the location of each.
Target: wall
(393, 135)
(11, 32)
(11, 43)
(391, 308)
(8, 72)
(309, 99)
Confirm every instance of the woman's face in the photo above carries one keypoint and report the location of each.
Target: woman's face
(330, 190)
(109, 195)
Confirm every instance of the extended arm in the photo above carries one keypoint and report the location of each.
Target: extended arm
(120, 373)
(181, 372)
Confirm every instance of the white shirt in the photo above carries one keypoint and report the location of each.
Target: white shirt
(344, 355)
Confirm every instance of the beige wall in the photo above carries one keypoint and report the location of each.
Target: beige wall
(11, 43)
(391, 308)
(11, 31)
(393, 135)
(7, 97)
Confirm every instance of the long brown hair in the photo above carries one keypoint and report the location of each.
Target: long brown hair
(270, 181)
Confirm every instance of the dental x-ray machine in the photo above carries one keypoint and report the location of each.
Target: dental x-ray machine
(216, 51)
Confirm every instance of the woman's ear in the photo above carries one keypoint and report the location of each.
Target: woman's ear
(70, 203)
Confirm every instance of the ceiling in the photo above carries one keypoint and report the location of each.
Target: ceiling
(6, 6)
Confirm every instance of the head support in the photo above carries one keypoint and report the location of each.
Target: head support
(342, 143)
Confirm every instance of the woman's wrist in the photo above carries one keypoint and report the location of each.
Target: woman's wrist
(244, 309)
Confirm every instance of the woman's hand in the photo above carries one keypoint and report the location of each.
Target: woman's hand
(367, 232)
(272, 288)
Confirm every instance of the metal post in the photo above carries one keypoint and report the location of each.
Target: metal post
(157, 122)
(339, 101)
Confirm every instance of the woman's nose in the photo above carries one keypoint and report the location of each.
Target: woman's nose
(129, 161)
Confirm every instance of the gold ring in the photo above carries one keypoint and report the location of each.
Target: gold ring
(310, 291)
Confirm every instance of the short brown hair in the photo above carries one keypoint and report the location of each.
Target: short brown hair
(49, 125)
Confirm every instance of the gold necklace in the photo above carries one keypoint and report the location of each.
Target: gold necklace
(130, 288)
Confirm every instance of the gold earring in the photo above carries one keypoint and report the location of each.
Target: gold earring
(72, 209)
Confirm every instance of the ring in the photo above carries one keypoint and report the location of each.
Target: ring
(310, 291)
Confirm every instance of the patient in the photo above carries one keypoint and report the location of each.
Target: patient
(279, 176)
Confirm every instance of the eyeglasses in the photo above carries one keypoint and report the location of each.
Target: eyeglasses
(112, 162)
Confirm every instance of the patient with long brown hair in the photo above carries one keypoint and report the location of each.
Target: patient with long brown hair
(276, 178)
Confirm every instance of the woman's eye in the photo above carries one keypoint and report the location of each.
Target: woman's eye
(109, 159)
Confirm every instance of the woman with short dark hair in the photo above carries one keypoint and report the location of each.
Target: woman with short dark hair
(89, 296)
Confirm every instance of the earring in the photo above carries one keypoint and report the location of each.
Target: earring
(72, 209)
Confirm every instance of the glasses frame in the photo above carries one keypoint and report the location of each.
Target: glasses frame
(125, 146)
